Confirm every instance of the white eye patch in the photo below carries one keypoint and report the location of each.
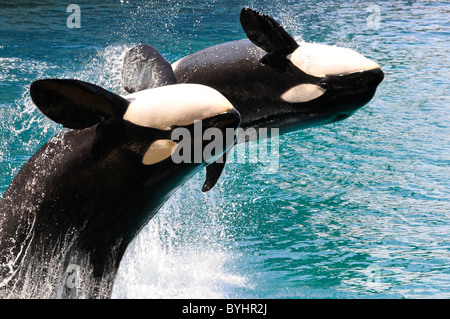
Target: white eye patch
(159, 151)
(178, 104)
(321, 60)
(302, 93)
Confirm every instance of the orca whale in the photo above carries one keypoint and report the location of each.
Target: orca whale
(71, 211)
(271, 79)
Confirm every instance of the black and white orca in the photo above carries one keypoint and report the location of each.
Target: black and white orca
(271, 79)
(71, 211)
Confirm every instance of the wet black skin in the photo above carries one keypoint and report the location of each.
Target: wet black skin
(235, 69)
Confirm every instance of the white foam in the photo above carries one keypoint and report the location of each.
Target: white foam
(181, 253)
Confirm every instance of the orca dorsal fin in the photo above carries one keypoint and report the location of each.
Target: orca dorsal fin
(145, 68)
(76, 104)
(263, 31)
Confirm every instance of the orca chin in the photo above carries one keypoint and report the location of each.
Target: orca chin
(340, 117)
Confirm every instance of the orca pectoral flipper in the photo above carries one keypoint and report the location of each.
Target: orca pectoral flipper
(270, 36)
(213, 172)
(76, 104)
(145, 68)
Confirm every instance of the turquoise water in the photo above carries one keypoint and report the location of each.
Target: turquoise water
(355, 209)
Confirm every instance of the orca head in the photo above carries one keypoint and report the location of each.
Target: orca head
(181, 120)
(330, 82)
(320, 84)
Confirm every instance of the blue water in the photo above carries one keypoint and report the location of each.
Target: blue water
(355, 209)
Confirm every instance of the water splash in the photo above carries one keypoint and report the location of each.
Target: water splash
(182, 253)
(103, 68)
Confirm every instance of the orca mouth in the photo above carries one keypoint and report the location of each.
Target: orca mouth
(229, 119)
(223, 121)
(372, 78)
(362, 80)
